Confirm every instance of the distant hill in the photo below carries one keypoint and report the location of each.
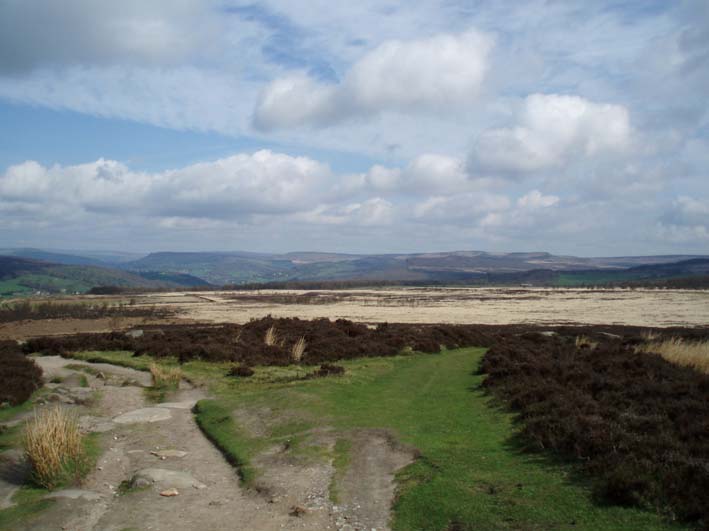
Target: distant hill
(97, 258)
(651, 274)
(194, 269)
(22, 276)
(474, 266)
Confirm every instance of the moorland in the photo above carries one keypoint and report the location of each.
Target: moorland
(269, 422)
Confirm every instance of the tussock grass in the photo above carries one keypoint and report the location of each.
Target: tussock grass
(53, 444)
(165, 377)
(693, 354)
(271, 338)
(298, 349)
(585, 342)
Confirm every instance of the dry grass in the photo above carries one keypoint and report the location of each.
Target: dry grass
(585, 341)
(692, 354)
(165, 377)
(271, 338)
(52, 443)
(298, 350)
(650, 335)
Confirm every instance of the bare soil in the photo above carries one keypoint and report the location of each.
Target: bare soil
(292, 493)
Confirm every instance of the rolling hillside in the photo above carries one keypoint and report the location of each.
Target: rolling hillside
(473, 266)
(23, 276)
(56, 271)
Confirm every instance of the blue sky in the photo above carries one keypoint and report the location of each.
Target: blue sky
(388, 126)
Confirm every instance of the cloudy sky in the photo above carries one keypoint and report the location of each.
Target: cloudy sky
(370, 126)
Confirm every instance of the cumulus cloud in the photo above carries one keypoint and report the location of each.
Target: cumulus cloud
(372, 212)
(433, 73)
(552, 129)
(429, 173)
(462, 209)
(230, 188)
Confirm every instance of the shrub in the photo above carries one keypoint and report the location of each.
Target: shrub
(53, 444)
(19, 375)
(328, 369)
(241, 371)
(636, 423)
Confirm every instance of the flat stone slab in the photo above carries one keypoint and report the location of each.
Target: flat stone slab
(95, 424)
(75, 494)
(148, 414)
(162, 454)
(187, 404)
(165, 478)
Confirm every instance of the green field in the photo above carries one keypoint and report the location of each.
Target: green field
(470, 471)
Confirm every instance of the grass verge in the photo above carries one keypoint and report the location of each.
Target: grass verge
(216, 421)
(470, 474)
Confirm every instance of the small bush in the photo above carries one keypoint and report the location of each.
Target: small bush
(328, 369)
(19, 375)
(53, 444)
(241, 371)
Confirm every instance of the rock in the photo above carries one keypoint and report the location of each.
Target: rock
(75, 494)
(170, 493)
(297, 511)
(59, 398)
(148, 414)
(73, 380)
(134, 333)
(80, 395)
(95, 424)
(140, 482)
(162, 454)
(187, 404)
(166, 478)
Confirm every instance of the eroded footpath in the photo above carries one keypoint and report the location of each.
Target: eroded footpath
(157, 471)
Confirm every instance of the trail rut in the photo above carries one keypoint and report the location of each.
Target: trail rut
(160, 447)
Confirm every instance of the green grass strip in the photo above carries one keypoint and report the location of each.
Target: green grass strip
(215, 420)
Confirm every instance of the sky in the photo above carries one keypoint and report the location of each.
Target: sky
(572, 127)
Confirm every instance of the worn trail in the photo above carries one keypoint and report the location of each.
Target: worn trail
(150, 450)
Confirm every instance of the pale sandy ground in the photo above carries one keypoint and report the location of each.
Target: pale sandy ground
(454, 305)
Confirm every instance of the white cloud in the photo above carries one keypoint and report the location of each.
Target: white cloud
(434, 73)
(552, 129)
(535, 199)
(260, 183)
(462, 209)
(429, 173)
(372, 212)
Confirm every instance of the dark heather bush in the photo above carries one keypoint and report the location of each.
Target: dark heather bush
(241, 371)
(328, 369)
(637, 424)
(19, 375)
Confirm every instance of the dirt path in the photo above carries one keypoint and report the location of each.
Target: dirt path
(152, 448)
